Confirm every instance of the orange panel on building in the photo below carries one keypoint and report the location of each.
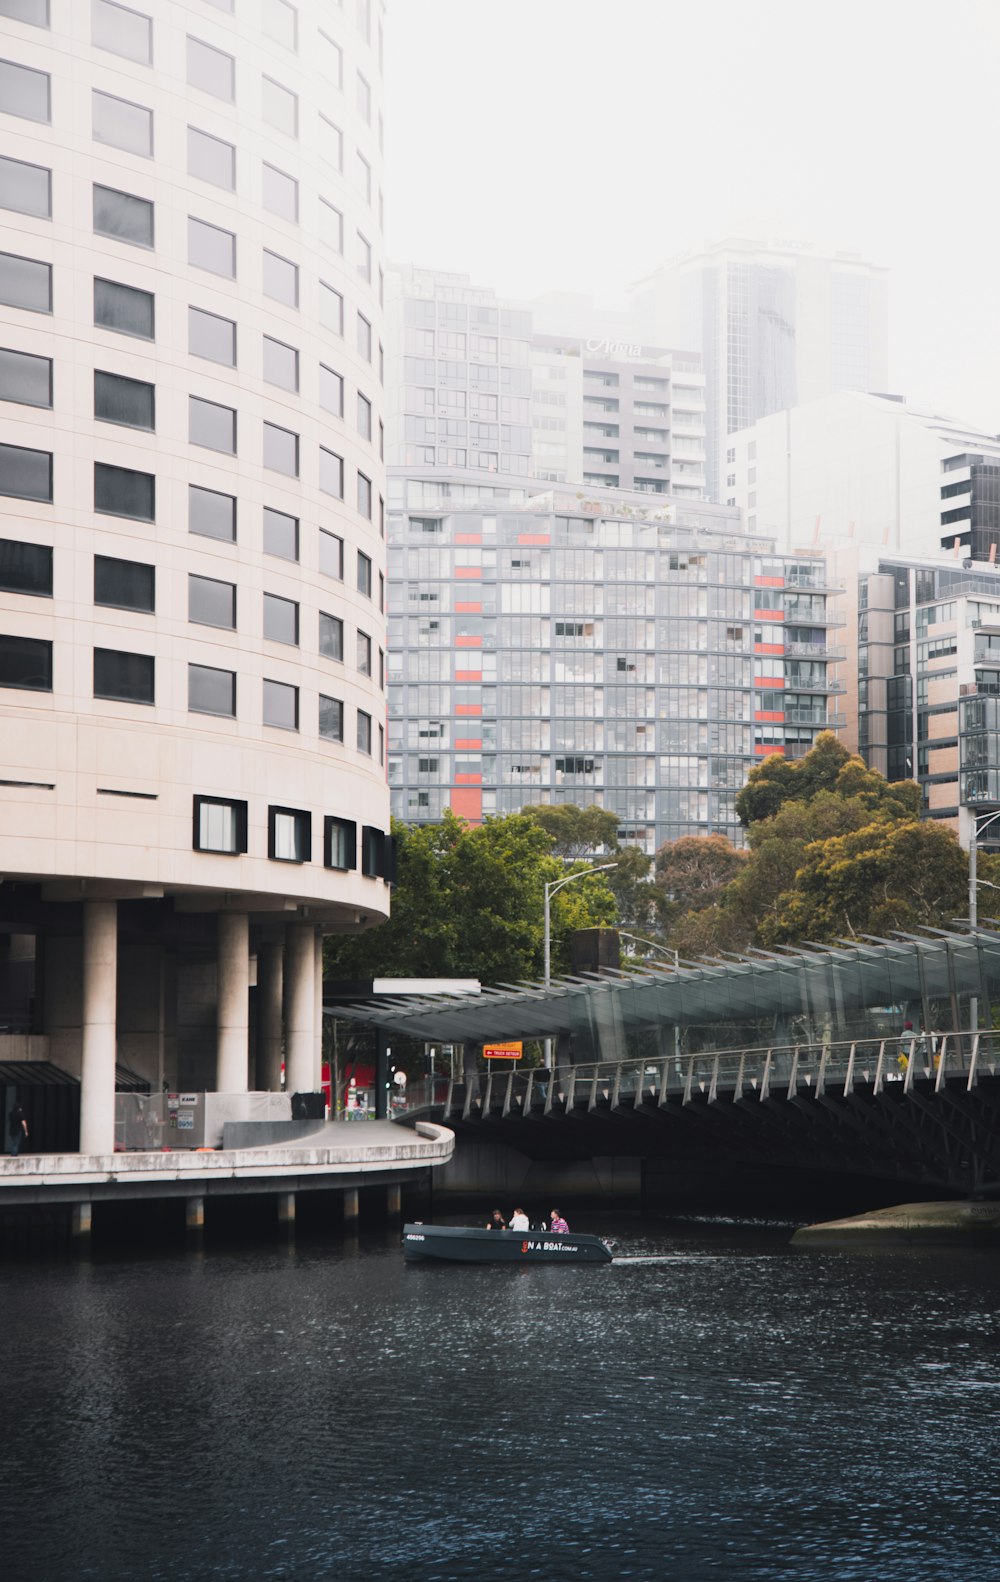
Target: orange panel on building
(469, 573)
(769, 648)
(769, 615)
(772, 717)
(468, 780)
(534, 538)
(464, 742)
(468, 804)
(468, 538)
(768, 681)
(474, 608)
(768, 749)
(468, 675)
(468, 642)
(468, 709)
(769, 582)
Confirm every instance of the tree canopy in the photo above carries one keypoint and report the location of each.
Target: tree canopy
(575, 831)
(828, 766)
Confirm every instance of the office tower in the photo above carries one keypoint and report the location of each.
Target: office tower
(594, 646)
(777, 325)
(191, 551)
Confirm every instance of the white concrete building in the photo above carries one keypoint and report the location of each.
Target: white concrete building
(851, 467)
(776, 323)
(192, 555)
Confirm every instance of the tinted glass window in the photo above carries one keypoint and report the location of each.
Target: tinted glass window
(25, 283)
(211, 159)
(25, 662)
(280, 107)
(25, 568)
(121, 400)
(219, 825)
(365, 496)
(331, 391)
(364, 416)
(281, 364)
(331, 636)
(331, 555)
(123, 215)
(24, 92)
(25, 474)
(281, 21)
(364, 732)
(123, 124)
(34, 11)
(364, 338)
(331, 309)
(122, 31)
(364, 575)
(281, 450)
(281, 534)
(26, 378)
(331, 725)
(25, 188)
(211, 70)
(281, 705)
(281, 279)
(125, 584)
(211, 514)
(212, 425)
(211, 603)
(124, 308)
(211, 248)
(290, 835)
(127, 677)
(331, 225)
(281, 619)
(331, 142)
(118, 491)
(212, 337)
(211, 691)
(364, 654)
(331, 473)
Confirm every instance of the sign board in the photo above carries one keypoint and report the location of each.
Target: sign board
(503, 1051)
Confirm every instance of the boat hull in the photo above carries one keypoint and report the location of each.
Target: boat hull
(466, 1244)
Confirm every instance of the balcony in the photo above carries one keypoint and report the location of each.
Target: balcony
(815, 651)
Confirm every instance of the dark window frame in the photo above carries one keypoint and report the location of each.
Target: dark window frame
(303, 819)
(242, 824)
(350, 829)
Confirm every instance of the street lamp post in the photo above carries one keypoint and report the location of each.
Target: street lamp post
(974, 881)
(550, 890)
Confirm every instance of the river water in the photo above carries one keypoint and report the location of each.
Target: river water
(722, 1407)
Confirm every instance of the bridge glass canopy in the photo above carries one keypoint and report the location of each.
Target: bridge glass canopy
(860, 988)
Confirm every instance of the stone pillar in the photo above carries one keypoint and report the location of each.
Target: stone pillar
(394, 1201)
(232, 1003)
(351, 1209)
(97, 1069)
(286, 1208)
(270, 977)
(300, 1007)
(194, 1213)
(80, 1223)
(318, 1011)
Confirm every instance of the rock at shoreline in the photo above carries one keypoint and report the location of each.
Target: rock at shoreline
(961, 1224)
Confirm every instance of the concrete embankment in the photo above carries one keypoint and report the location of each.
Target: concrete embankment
(909, 1225)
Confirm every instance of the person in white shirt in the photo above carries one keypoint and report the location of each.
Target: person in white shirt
(519, 1220)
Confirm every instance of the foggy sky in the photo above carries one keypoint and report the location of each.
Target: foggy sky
(576, 144)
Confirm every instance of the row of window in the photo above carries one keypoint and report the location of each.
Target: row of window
(122, 677)
(221, 825)
(279, 19)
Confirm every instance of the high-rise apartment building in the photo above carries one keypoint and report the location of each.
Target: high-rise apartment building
(970, 501)
(776, 325)
(192, 557)
(594, 646)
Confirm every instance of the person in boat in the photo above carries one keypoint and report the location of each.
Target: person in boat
(556, 1221)
(519, 1220)
(496, 1221)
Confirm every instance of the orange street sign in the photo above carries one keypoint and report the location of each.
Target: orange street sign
(503, 1051)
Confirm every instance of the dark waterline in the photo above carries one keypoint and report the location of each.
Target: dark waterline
(726, 1408)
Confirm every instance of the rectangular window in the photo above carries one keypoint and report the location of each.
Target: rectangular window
(211, 70)
(25, 378)
(281, 279)
(122, 31)
(363, 173)
(118, 491)
(364, 732)
(25, 92)
(331, 391)
(211, 248)
(212, 425)
(131, 402)
(27, 189)
(364, 416)
(331, 726)
(331, 142)
(25, 283)
(331, 59)
(280, 107)
(211, 159)
(123, 216)
(25, 474)
(281, 620)
(25, 568)
(364, 99)
(281, 534)
(122, 124)
(331, 636)
(289, 834)
(364, 258)
(364, 654)
(280, 193)
(25, 662)
(211, 691)
(340, 843)
(220, 825)
(124, 584)
(331, 309)
(281, 705)
(211, 337)
(281, 364)
(281, 450)
(34, 11)
(211, 603)
(331, 225)
(210, 514)
(127, 678)
(331, 555)
(124, 308)
(364, 575)
(365, 496)
(281, 21)
(364, 338)
(331, 473)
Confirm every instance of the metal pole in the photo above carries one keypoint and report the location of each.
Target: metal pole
(550, 889)
(548, 1041)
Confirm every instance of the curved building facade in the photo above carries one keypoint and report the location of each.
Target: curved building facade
(192, 552)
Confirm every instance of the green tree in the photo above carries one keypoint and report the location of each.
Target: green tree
(575, 831)
(692, 872)
(828, 766)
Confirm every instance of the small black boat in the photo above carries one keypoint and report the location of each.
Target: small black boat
(468, 1244)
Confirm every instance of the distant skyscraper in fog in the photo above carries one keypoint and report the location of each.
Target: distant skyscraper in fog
(776, 325)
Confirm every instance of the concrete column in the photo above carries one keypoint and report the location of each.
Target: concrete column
(351, 1208)
(81, 1220)
(97, 1067)
(270, 978)
(194, 1213)
(394, 1201)
(232, 1003)
(286, 1208)
(318, 1012)
(300, 1007)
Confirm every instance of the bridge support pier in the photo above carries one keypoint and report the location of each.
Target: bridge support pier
(286, 1210)
(194, 1214)
(81, 1216)
(394, 1201)
(351, 1209)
